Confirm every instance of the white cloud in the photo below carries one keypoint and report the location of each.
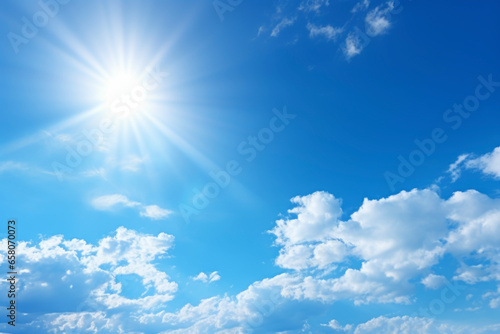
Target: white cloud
(419, 325)
(455, 168)
(11, 165)
(108, 202)
(362, 5)
(353, 45)
(489, 163)
(214, 276)
(154, 212)
(394, 242)
(397, 239)
(285, 22)
(88, 276)
(334, 324)
(377, 20)
(432, 281)
(313, 5)
(327, 31)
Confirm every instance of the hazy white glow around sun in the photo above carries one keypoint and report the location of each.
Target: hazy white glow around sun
(118, 84)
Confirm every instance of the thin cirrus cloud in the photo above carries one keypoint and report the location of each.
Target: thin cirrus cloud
(285, 22)
(109, 202)
(360, 6)
(327, 31)
(313, 5)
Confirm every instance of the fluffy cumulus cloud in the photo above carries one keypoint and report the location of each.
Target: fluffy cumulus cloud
(67, 278)
(109, 202)
(384, 252)
(377, 255)
(397, 239)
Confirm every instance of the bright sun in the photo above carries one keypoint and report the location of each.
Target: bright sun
(118, 84)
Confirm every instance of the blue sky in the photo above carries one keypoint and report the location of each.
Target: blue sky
(308, 166)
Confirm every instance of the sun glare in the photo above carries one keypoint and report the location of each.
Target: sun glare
(117, 84)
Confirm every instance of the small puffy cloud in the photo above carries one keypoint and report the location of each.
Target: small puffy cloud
(434, 281)
(335, 325)
(313, 5)
(327, 31)
(353, 45)
(108, 202)
(489, 163)
(207, 278)
(154, 212)
(285, 22)
(377, 20)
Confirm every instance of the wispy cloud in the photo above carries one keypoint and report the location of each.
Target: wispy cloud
(132, 163)
(327, 31)
(362, 5)
(353, 45)
(95, 172)
(285, 22)
(12, 165)
(455, 169)
(377, 20)
(154, 212)
(313, 5)
(109, 202)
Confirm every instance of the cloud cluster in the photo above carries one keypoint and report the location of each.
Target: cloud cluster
(92, 276)
(376, 255)
(363, 25)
